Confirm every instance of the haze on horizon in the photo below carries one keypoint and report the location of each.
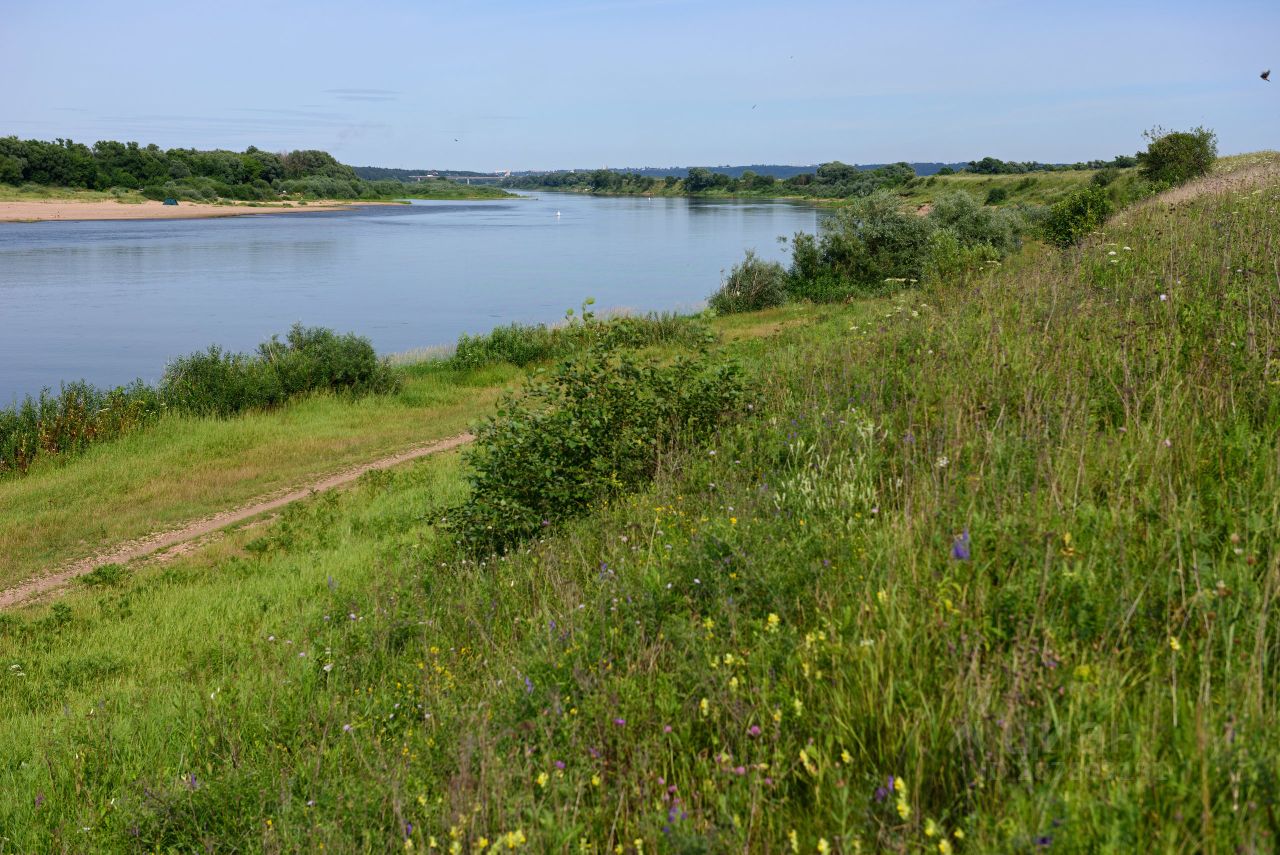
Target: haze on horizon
(587, 83)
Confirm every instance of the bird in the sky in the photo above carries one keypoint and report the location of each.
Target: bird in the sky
(455, 139)
(753, 106)
(1266, 75)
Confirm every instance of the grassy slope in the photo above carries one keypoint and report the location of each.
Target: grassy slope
(186, 468)
(1100, 675)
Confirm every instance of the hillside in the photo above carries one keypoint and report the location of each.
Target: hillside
(985, 565)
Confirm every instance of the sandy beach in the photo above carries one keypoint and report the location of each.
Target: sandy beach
(59, 209)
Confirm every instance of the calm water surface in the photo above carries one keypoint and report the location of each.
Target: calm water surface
(112, 301)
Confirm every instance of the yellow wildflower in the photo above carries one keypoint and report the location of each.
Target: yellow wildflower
(595, 780)
(823, 846)
(773, 622)
(846, 756)
(944, 847)
(795, 840)
(704, 707)
(930, 828)
(1174, 644)
(542, 779)
(958, 834)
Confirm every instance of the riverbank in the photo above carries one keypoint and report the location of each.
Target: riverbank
(38, 210)
(977, 531)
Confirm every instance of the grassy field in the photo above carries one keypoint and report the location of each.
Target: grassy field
(40, 192)
(185, 468)
(983, 568)
(1039, 188)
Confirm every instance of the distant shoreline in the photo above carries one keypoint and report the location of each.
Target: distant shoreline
(42, 210)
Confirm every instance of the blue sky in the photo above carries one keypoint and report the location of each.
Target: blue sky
(586, 83)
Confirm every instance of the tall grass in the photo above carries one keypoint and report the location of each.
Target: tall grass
(525, 344)
(990, 569)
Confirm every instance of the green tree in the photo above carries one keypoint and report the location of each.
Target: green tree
(11, 169)
(699, 180)
(835, 172)
(1174, 157)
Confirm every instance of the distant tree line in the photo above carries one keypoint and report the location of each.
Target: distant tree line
(829, 181)
(995, 166)
(185, 173)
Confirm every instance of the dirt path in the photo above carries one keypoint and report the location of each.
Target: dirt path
(1243, 178)
(160, 541)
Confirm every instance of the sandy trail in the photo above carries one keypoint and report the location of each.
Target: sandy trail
(1244, 178)
(160, 541)
(71, 210)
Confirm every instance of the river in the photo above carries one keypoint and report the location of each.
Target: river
(110, 301)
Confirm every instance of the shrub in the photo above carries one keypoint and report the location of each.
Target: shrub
(594, 427)
(66, 423)
(1069, 220)
(214, 382)
(210, 382)
(524, 344)
(752, 284)
(996, 195)
(1104, 177)
(949, 259)
(974, 224)
(865, 243)
(1174, 157)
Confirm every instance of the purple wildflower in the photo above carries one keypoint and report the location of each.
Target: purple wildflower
(560, 764)
(1044, 841)
(960, 546)
(754, 730)
(39, 799)
(192, 783)
(528, 686)
(620, 722)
